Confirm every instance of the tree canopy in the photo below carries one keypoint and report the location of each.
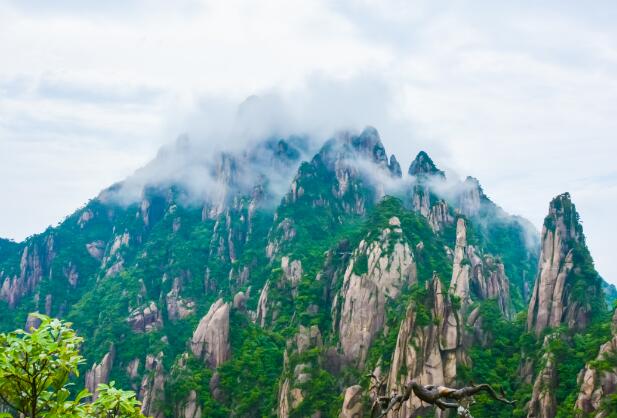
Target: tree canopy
(35, 371)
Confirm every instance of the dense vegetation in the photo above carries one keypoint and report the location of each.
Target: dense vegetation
(143, 253)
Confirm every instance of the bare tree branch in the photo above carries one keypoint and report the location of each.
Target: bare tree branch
(441, 396)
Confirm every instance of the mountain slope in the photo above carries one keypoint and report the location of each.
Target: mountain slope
(269, 281)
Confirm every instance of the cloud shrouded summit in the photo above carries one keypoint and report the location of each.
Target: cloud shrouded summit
(520, 96)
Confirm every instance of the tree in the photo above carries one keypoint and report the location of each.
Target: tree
(35, 368)
(441, 396)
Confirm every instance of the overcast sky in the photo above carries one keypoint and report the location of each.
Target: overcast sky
(523, 97)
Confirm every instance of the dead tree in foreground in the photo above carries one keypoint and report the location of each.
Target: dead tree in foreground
(441, 396)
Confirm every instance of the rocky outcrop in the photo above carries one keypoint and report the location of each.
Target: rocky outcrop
(460, 285)
(177, 307)
(352, 403)
(113, 262)
(470, 198)
(85, 217)
(439, 216)
(292, 272)
(296, 374)
(262, 305)
(210, 341)
(376, 272)
(543, 403)
(284, 232)
(477, 277)
(428, 347)
(145, 319)
(239, 301)
(426, 176)
(336, 178)
(597, 382)
(71, 274)
(564, 262)
(152, 391)
(32, 322)
(395, 167)
(423, 165)
(35, 263)
(96, 249)
(132, 369)
(119, 242)
(99, 373)
(191, 408)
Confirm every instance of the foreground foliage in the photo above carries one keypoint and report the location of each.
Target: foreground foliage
(35, 369)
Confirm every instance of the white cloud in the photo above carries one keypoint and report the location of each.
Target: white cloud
(521, 95)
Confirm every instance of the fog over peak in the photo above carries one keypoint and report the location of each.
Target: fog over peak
(520, 95)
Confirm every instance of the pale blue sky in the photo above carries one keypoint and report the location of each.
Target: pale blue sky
(522, 96)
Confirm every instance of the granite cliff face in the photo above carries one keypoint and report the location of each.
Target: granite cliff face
(152, 391)
(477, 277)
(298, 371)
(210, 340)
(567, 292)
(543, 403)
(425, 176)
(377, 272)
(428, 347)
(34, 264)
(99, 373)
(567, 286)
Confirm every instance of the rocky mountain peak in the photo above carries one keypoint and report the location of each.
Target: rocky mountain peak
(470, 198)
(565, 265)
(395, 167)
(423, 165)
(562, 216)
(347, 146)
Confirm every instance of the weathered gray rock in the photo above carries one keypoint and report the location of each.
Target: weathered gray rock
(292, 390)
(460, 285)
(470, 198)
(423, 165)
(145, 319)
(86, 216)
(177, 307)
(388, 265)
(71, 274)
(427, 352)
(292, 272)
(439, 216)
(262, 305)
(119, 242)
(35, 262)
(210, 340)
(552, 303)
(96, 249)
(543, 403)
(395, 167)
(285, 231)
(32, 322)
(191, 408)
(152, 391)
(99, 373)
(352, 403)
(596, 384)
(240, 301)
(132, 369)
(478, 277)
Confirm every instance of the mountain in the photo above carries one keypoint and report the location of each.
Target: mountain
(270, 280)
